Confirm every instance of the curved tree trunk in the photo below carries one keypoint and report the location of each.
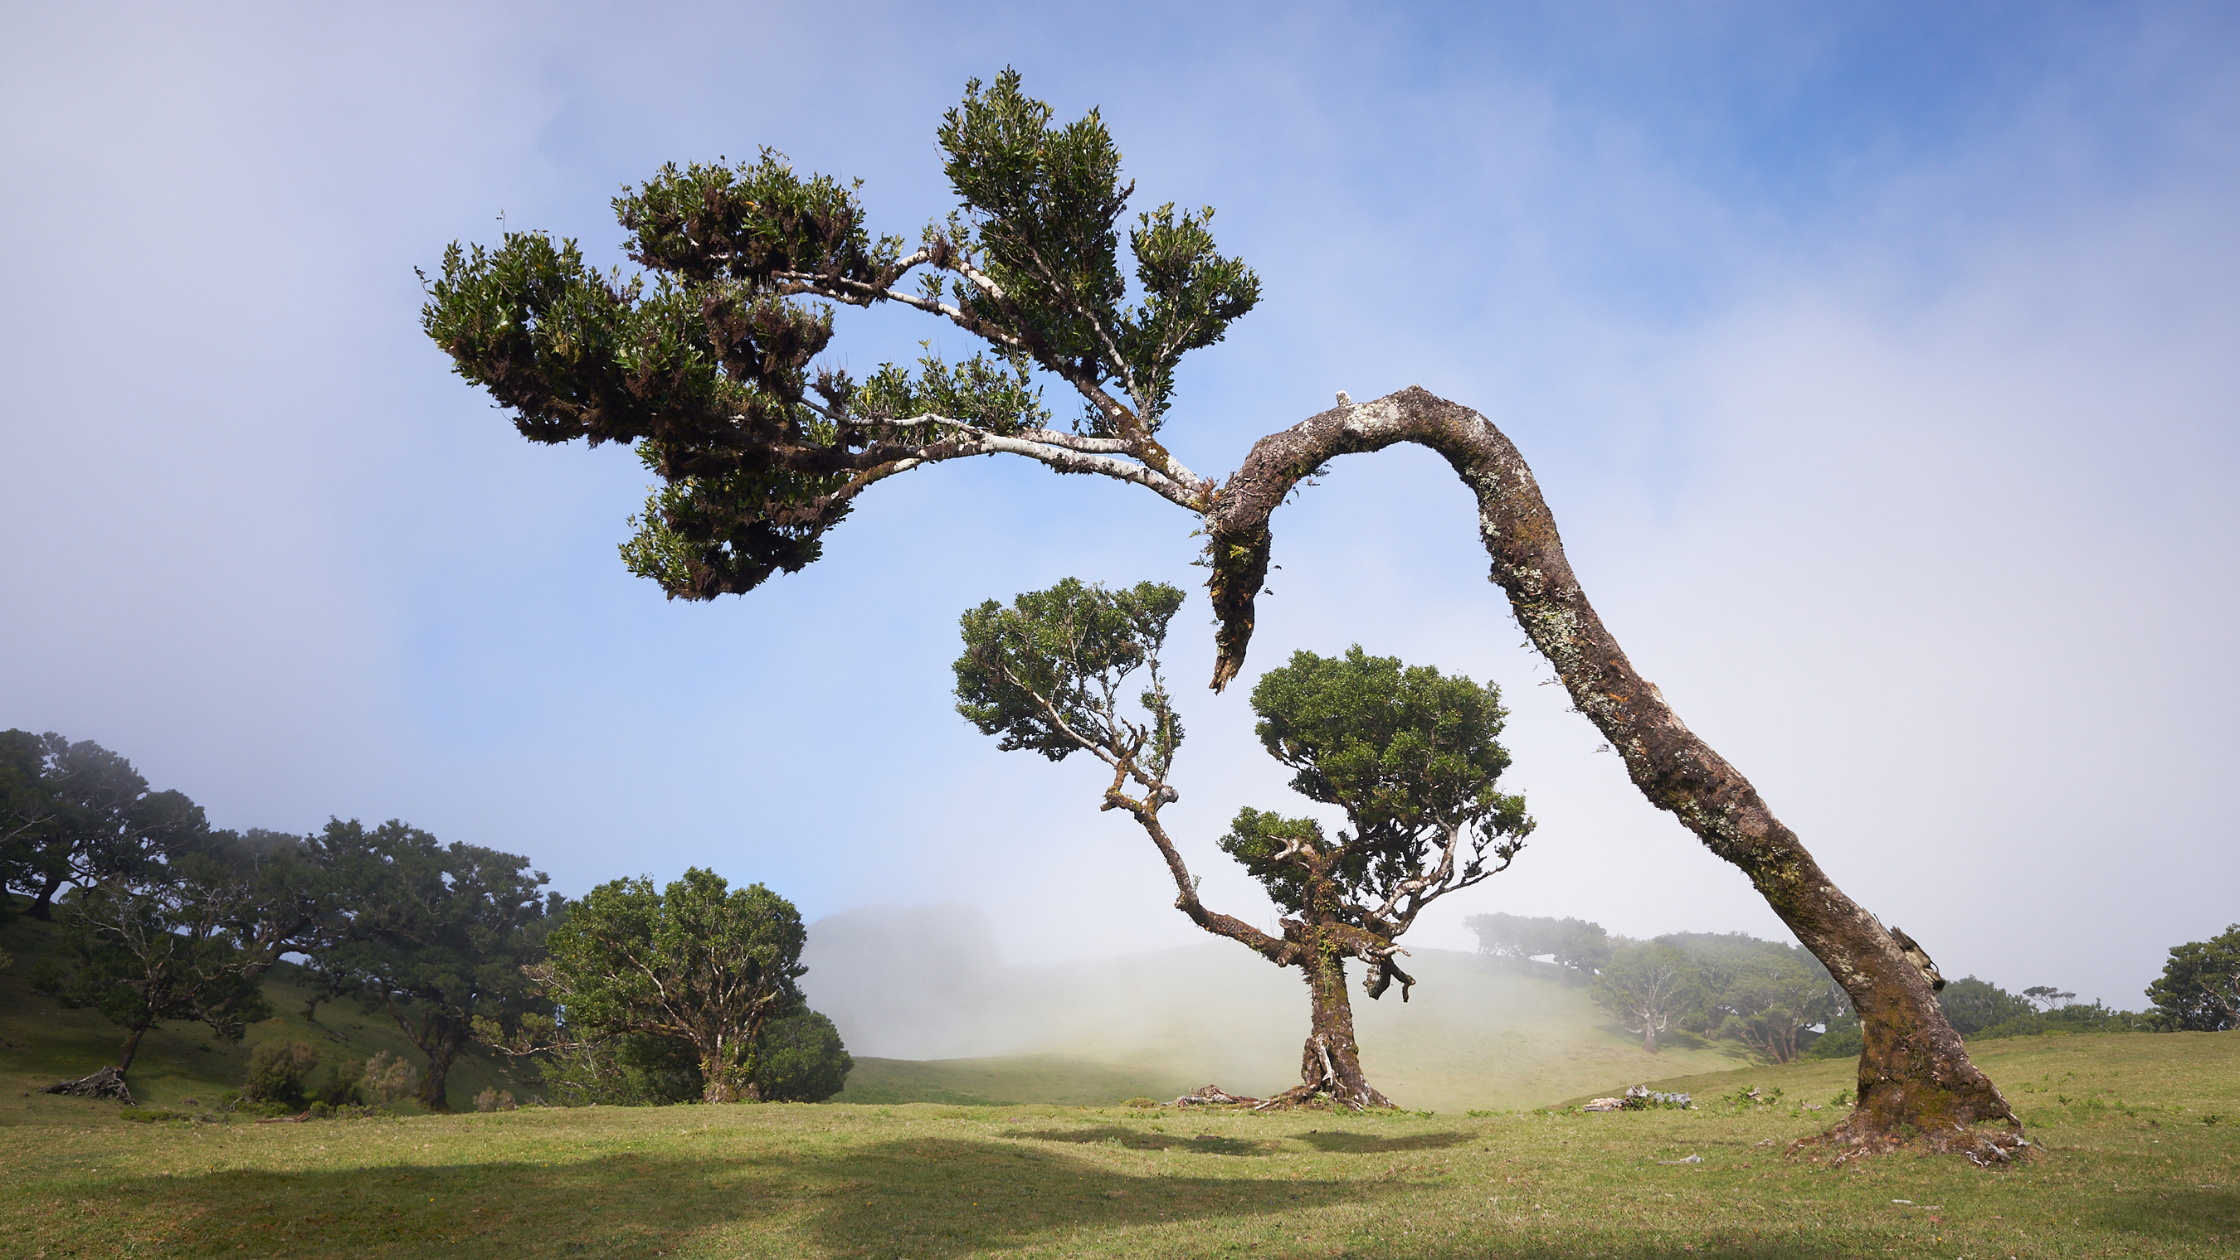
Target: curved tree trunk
(1914, 1070)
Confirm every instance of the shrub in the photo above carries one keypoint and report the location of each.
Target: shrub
(493, 1099)
(278, 1071)
(801, 1059)
(388, 1078)
(341, 1085)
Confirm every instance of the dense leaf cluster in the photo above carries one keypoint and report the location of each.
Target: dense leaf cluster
(1410, 755)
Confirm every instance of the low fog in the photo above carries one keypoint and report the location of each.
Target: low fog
(928, 982)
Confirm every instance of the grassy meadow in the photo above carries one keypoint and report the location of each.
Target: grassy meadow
(2135, 1167)
(1032, 1155)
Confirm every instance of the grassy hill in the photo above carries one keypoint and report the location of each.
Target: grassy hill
(1477, 1035)
(41, 1042)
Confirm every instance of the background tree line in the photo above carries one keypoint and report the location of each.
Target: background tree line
(162, 917)
(1780, 1002)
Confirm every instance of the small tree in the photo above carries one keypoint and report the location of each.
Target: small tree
(279, 1072)
(1974, 1005)
(2200, 985)
(1408, 755)
(2046, 997)
(1773, 997)
(1646, 986)
(695, 962)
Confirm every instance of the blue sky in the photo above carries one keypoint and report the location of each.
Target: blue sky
(1876, 360)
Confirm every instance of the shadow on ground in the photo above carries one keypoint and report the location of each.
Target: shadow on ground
(925, 1199)
(2194, 1214)
(1340, 1142)
(1155, 1140)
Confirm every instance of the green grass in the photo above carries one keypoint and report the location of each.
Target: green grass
(2133, 1171)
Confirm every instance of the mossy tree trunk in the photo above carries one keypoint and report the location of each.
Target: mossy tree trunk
(1330, 1062)
(1914, 1073)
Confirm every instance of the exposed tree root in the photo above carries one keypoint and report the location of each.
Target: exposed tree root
(1214, 1096)
(106, 1083)
(1318, 1098)
(1986, 1146)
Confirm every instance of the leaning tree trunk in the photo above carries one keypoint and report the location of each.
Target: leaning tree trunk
(1914, 1070)
(131, 1048)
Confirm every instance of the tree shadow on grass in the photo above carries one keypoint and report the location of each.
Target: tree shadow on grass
(2187, 1213)
(1339, 1142)
(1153, 1140)
(926, 1199)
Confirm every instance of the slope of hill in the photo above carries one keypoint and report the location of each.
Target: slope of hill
(41, 1042)
(933, 1014)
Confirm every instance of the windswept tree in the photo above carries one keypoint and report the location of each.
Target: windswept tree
(1410, 757)
(179, 922)
(147, 953)
(1646, 987)
(696, 962)
(712, 372)
(437, 937)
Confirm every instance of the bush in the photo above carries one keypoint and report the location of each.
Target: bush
(341, 1085)
(388, 1078)
(1841, 1041)
(802, 1059)
(493, 1099)
(2076, 1017)
(278, 1071)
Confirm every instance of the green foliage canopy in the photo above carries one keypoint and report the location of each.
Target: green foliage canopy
(696, 961)
(1411, 756)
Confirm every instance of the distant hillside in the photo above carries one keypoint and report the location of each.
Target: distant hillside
(42, 1042)
(932, 1013)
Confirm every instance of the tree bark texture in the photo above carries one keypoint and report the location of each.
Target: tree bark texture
(1330, 1062)
(1914, 1070)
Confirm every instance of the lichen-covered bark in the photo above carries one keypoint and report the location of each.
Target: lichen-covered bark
(1914, 1070)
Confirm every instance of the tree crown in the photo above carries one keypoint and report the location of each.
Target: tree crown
(705, 360)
